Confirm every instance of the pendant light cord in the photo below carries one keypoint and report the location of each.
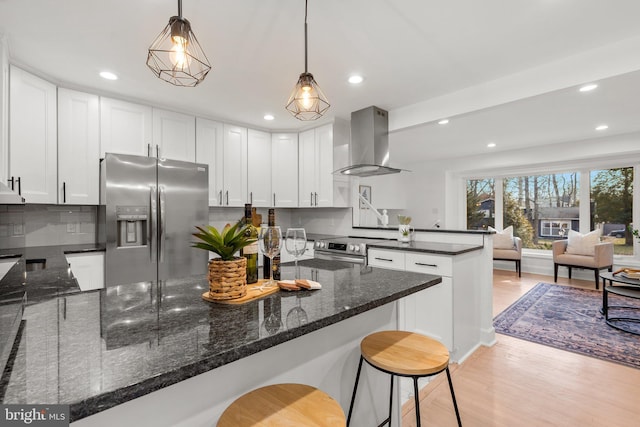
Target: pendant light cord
(180, 8)
(305, 36)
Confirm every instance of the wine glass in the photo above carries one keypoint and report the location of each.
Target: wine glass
(270, 242)
(296, 244)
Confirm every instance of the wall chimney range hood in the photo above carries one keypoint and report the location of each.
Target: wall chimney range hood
(369, 148)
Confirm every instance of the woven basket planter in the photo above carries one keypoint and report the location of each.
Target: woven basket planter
(227, 279)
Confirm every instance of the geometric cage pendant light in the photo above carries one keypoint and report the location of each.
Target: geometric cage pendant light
(176, 56)
(307, 101)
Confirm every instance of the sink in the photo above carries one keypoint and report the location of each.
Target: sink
(36, 264)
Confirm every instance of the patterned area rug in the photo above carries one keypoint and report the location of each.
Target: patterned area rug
(569, 319)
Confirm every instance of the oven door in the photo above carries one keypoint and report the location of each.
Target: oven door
(329, 256)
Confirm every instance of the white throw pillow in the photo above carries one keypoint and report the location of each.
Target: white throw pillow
(503, 239)
(583, 244)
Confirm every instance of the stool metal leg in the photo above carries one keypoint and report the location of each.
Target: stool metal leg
(388, 420)
(416, 396)
(355, 388)
(453, 396)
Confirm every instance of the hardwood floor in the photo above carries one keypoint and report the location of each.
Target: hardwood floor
(517, 383)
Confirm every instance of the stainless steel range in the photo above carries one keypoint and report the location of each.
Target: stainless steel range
(348, 249)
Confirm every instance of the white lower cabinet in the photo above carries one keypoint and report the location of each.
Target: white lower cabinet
(88, 269)
(429, 312)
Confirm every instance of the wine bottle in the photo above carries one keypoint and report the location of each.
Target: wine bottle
(250, 252)
(275, 265)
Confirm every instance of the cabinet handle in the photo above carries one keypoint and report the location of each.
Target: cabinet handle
(426, 265)
(64, 192)
(12, 181)
(251, 197)
(227, 196)
(383, 259)
(316, 194)
(274, 199)
(311, 199)
(19, 186)
(157, 151)
(220, 198)
(148, 150)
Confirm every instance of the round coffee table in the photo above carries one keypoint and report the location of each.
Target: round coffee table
(622, 286)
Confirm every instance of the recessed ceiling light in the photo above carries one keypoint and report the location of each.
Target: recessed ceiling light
(602, 127)
(443, 122)
(268, 117)
(491, 144)
(108, 75)
(356, 79)
(588, 88)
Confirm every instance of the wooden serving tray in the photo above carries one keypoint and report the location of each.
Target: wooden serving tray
(253, 293)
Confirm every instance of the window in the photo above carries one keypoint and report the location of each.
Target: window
(611, 206)
(541, 208)
(480, 204)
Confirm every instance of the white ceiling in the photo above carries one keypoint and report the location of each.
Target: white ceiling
(409, 51)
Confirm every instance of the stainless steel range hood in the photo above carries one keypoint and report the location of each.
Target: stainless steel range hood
(369, 148)
(9, 197)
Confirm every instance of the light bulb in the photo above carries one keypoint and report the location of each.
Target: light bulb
(306, 100)
(178, 55)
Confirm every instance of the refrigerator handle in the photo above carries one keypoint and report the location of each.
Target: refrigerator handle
(153, 218)
(162, 222)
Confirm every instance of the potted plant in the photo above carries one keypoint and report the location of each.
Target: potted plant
(404, 228)
(228, 273)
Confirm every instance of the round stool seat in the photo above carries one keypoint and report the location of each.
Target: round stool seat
(404, 353)
(283, 405)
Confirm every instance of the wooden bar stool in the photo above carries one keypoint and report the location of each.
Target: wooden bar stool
(281, 405)
(404, 354)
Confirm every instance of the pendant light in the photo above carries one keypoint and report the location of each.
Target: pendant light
(176, 56)
(307, 102)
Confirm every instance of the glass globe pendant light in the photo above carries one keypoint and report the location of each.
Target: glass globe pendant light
(307, 102)
(176, 56)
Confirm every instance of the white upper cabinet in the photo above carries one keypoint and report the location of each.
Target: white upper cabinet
(259, 168)
(78, 147)
(234, 166)
(209, 147)
(316, 179)
(284, 169)
(125, 127)
(307, 176)
(32, 137)
(174, 135)
(4, 111)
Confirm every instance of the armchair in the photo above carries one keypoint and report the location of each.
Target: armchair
(512, 254)
(601, 259)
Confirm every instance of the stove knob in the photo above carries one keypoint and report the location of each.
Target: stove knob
(357, 248)
(322, 245)
(350, 248)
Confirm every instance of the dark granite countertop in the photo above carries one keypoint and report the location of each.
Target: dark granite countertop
(55, 279)
(429, 230)
(95, 350)
(425, 247)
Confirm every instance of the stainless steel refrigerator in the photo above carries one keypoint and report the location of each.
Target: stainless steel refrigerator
(148, 209)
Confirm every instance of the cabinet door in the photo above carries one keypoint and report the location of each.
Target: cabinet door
(88, 269)
(78, 147)
(175, 135)
(284, 173)
(125, 128)
(32, 136)
(306, 168)
(209, 151)
(324, 165)
(235, 166)
(4, 111)
(434, 312)
(259, 168)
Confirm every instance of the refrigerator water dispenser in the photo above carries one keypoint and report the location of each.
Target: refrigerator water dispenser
(132, 225)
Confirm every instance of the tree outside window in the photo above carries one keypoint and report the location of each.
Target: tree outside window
(480, 204)
(611, 206)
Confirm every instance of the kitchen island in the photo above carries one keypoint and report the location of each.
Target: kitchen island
(148, 354)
